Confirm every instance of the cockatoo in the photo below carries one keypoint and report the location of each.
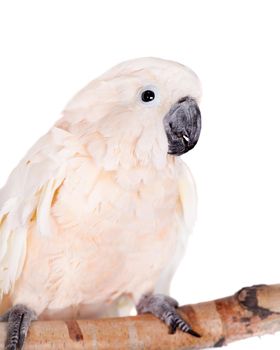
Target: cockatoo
(95, 216)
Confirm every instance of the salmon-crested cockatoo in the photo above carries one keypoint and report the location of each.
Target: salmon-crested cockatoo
(94, 218)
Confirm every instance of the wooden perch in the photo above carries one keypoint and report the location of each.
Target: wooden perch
(250, 312)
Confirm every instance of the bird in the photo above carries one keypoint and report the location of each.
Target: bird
(94, 218)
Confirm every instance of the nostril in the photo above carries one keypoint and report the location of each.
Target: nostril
(182, 99)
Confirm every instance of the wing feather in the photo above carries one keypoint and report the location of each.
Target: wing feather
(186, 217)
(188, 196)
(27, 197)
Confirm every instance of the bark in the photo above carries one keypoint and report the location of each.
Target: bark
(253, 311)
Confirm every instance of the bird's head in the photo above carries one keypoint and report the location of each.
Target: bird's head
(146, 107)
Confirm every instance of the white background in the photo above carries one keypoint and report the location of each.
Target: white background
(51, 49)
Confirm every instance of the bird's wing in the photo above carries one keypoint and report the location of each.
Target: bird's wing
(26, 199)
(187, 217)
(188, 196)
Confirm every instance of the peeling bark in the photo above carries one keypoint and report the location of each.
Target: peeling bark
(253, 311)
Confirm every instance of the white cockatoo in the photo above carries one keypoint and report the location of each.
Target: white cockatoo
(95, 216)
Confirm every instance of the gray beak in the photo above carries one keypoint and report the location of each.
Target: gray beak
(182, 126)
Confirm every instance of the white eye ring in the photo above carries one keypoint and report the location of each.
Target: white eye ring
(149, 96)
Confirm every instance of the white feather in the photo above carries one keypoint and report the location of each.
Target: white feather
(107, 152)
(27, 197)
(188, 195)
(186, 220)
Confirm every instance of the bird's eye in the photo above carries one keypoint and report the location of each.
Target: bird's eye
(149, 95)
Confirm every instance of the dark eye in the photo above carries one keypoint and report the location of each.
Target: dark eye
(148, 96)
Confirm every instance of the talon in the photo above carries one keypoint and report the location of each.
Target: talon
(164, 308)
(172, 328)
(19, 318)
(194, 333)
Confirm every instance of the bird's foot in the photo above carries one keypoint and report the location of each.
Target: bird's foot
(19, 318)
(164, 308)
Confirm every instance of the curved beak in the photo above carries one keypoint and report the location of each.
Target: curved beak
(182, 126)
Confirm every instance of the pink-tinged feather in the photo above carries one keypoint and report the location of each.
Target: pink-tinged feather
(96, 213)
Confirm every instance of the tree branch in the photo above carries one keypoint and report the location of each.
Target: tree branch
(252, 311)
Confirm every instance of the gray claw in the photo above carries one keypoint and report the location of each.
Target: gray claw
(164, 308)
(19, 318)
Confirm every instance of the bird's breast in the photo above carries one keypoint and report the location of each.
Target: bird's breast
(115, 231)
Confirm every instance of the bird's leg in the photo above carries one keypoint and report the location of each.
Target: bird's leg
(19, 318)
(164, 308)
